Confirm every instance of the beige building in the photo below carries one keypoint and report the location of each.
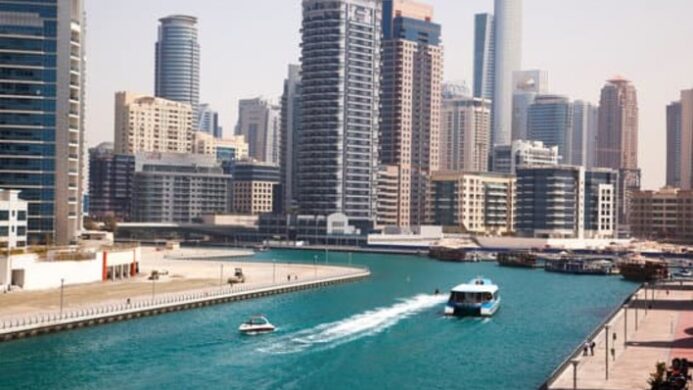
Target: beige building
(687, 139)
(465, 135)
(666, 215)
(388, 196)
(151, 124)
(412, 73)
(254, 187)
(617, 136)
(204, 143)
(481, 203)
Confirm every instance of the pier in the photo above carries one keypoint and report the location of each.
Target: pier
(654, 325)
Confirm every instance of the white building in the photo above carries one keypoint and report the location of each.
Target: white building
(507, 158)
(13, 220)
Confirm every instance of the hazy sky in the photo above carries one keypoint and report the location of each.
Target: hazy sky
(247, 44)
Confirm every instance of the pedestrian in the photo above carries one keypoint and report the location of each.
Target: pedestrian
(128, 301)
(592, 345)
(296, 277)
(288, 278)
(585, 348)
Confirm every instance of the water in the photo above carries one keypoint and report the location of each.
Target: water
(384, 332)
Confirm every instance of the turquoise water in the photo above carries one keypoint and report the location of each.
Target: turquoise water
(384, 332)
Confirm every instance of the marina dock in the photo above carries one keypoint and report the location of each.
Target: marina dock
(654, 325)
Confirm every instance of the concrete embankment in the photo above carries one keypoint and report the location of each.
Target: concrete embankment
(85, 317)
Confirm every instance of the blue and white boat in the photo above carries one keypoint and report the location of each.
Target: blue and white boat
(479, 297)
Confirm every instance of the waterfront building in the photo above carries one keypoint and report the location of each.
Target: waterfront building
(465, 137)
(484, 56)
(42, 121)
(110, 183)
(687, 139)
(259, 122)
(254, 187)
(177, 72)
(508, 59)
(674, 144)
(151, 124)
(585, 119)
(481, 203)
(177, 187)
(208, 121)
(508, 158)
(290, 130)
(663, 215)
(340, 65)
(550, 120)
(388, 196)
(13, 220)
(566, 202)
(527, 84)
(410, 102)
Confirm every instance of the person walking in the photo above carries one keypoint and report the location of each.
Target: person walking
(585, 348)
(592, 345)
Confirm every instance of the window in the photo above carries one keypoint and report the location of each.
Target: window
(21, 216)
(4, 215)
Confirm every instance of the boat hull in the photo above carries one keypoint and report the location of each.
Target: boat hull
(486, 309)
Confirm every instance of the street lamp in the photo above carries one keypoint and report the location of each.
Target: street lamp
(315, 265)
(221, 275)
(153, 288)
(62, 288)
(606, 350)
(274, 271)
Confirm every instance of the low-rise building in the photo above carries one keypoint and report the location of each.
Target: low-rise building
(481, 203)
(255, 187)
(521, 153)
(13, 220)
(666, 215)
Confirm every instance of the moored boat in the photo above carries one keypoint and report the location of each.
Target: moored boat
(479, 297)
(640, 269)
(580, 266)
(522, 259)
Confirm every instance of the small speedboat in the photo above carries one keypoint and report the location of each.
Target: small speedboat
(256, 325)
(479, 297)
(684, 273)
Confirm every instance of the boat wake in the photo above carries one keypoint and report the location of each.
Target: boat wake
(364, 324)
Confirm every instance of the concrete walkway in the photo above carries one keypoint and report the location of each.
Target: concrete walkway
(664, 331)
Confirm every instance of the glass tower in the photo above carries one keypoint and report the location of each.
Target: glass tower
(484, 53)
(42, 105)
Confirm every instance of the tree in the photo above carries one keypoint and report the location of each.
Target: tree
(110, 224)
(89, 224)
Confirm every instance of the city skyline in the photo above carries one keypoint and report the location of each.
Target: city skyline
(229, 54)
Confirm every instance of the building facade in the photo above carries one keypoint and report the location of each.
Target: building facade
(481, 203)
(111, 178)
(255, 187)
(290, 141)
(663, 215)
(178, 188)
(340, 65)
(617, 137)
(259, 122)
(410, 102)
(687, 139)
(508, 158)
(527, 84)
(13, 220)
(585, 119)
(484, 55)
(674, 144)
(388, 196)
(208, 121)
(550, 120)
(508, 59)
(42, 121)
(151, 124)
(465, 137)
(177, 65)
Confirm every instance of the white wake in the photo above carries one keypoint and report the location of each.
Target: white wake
(360, 325)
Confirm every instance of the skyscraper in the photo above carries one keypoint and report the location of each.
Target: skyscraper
(177, 74)
(411, 96)
(340, 62)
(42, 123)
(687, 139)
(674, 144)
(465, 136)
(527, 84)
(484, 55)
(508, 59)
(550, 120)
(259, 122)
(290, 125)
(585, 123)
(208, 121)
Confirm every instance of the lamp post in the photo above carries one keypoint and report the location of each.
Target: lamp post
(274, 271)
(315, 265)
(153, 288)
(62, 289)
(221, 275)
(606, 351)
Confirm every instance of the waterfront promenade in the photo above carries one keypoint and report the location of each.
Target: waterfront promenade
(656, 326)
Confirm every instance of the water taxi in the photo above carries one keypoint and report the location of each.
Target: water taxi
(479, 297)
(256, 325)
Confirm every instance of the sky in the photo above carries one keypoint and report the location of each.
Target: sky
(246, 46)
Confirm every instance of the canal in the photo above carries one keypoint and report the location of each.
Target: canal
(383, 332)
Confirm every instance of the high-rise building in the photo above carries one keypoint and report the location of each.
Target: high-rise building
(254, 187)
(208, 121)
(687, 139)
(259, 122)
(177, 73)
(457, 89)
(550, 120)
(290, 130)
(508, 158)
(340, 65)
(151, 124)
(465, 136)
(617, 140)
(110, 183)
(508, 59)
(42, 119)
(527, 84)
(484, 55)
(410, 102)
(585, 119)
(674, 144)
